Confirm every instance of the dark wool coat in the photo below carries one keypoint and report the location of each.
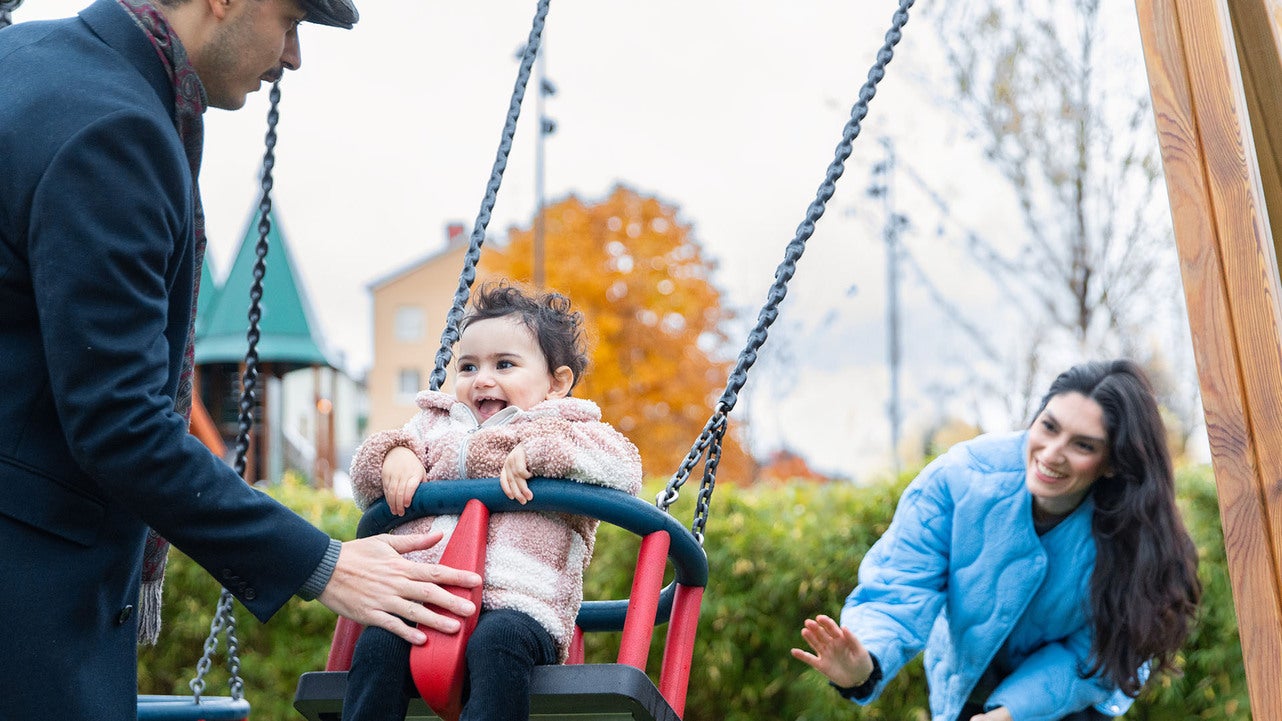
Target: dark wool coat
(96, 278)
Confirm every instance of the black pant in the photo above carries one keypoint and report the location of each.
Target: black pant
(1090, 714)
(501, 654)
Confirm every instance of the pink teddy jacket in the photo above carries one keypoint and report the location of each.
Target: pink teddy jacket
(534, 561)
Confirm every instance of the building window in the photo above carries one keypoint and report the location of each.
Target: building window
(409, 323)
(407, 385)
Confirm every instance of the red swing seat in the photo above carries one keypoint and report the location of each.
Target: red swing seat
(613, 691)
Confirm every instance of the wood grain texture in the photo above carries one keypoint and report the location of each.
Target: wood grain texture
(1229, 266)
(1257, 26)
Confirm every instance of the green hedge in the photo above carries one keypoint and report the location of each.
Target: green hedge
(777, 555)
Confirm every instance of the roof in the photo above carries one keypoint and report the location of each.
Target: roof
(409, 267)
(456, 239)
(208, 292)
(288, 333)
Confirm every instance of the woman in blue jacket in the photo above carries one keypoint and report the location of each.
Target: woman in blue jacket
(1044, 572)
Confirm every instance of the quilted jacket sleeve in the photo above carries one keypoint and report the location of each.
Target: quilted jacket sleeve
(1047, 686)
(903, 579)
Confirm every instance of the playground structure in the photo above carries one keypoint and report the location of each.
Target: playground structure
(1212, 66)
(1214, 69)
(1215, 73)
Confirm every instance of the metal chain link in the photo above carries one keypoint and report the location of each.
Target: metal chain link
(249, 379)
(224, 618)
(234, 681)
(468, 275)
(709, 443)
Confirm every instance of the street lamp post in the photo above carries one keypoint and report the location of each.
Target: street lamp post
(882, 188)
(547, 126)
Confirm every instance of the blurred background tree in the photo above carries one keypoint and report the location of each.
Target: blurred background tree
(1056, 104)
(653, 315)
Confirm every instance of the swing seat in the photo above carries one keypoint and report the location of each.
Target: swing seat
(575, 691)
(593, 692)
(438, 665)
(185, 708)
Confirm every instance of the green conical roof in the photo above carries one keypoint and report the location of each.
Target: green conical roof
(288, 334)
(208, 295)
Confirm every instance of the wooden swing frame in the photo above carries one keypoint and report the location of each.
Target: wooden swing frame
(1214, 70)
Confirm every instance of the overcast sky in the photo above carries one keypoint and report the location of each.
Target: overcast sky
(728, 109)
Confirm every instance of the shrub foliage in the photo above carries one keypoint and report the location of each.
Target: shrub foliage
(777, 554)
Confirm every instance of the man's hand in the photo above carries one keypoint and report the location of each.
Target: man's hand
(402, 474)
(514, 475)
(374, 586)
(838, 654)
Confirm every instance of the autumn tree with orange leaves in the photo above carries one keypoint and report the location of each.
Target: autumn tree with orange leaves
(652, 314)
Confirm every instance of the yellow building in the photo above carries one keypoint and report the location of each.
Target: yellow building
(409, 307)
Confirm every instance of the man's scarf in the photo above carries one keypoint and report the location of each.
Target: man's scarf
(189, 109)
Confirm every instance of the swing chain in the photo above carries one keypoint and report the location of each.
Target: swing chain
(797, 246)
(710, 439)
(467, 276)
(708, 446)
(704, 499)
(672, 491)
(249, 378)
(234, 681)
(224, 619)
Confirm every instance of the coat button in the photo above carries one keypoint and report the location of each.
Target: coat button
(250, 594)
(124, 615)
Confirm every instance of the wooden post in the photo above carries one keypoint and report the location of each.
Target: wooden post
(323, 432)
(1228, 260)
(1257, 25)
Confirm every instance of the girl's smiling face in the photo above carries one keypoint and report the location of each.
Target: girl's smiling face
(1067, 452)
(500, 364)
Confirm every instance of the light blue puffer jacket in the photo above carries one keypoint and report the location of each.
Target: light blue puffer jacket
(961, 571)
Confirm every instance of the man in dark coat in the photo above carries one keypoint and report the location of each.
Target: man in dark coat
(101, 237)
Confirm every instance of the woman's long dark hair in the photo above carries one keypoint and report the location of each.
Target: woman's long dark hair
(1144, 589)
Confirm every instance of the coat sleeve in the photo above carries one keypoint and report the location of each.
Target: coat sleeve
(903, 578)
(110, 229)
(584, 451)
(1048, 686)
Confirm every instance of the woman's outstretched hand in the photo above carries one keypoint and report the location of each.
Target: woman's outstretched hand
(837, 653)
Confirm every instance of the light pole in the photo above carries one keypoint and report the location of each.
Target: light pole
(883, 174)
(547, 126)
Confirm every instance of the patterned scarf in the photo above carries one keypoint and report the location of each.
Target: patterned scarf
(189, 109)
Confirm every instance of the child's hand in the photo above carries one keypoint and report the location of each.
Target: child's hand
(402, 472)
(514, 476)
(998, 714)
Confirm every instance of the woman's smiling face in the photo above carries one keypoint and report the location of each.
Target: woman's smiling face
(1067, 452)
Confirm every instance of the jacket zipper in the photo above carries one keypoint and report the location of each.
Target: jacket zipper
(503, 417)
